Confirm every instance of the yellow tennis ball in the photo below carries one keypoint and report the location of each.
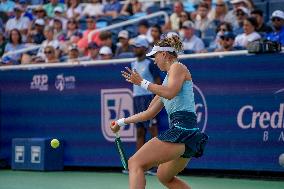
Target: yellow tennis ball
(54, 143)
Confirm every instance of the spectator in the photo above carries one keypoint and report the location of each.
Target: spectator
(73, 54)
(83, 42)
(156, 32)
(261, 28)
(131, 7)
(59, 33)
(249, 34)
(191, 43)
(74, 9)
(15, 43)
(93, 9)
(175, 16)
(50, 41)
(59, 15)
(226, 42)
(93, 50)
(37, 35)
(184, 16)
(39, 12)
(49, 8)
(7, 6)
(73, 33)
(241, 14)
(105, 53)
(231, 15)
(18, 22)
(112, 8)
(2, 43)
(106, 40)
(50, 55)
(278, 25)
(124, 47)
(202, 21)
(144, 30)
(218, 14)
(221, 29)
(24, 5)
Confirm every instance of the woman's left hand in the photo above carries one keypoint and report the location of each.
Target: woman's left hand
(132, 76)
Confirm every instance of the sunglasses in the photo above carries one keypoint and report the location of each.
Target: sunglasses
(47, 52)
(223, 30)
(276, 19)
(225, 38)
(220, 5)
(240, 14)
(71, 22)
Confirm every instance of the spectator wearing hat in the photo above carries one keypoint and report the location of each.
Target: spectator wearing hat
(112, 8)
(93, 9)
(37, 35)
(73, 53)
(220, 30)
(123, 47)
(74, 9)
(191, 43)
(278, 25)
(241, 14)
(18, 22)
(93, 51)
(39, 12)
(231, 15)
(141, 97)
(249, 34)
(105, 53)
(50, 7)
(83, 42)
(261, 28)
(59, 15)
(227, 42)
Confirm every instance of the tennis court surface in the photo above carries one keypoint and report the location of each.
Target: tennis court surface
(106, 180)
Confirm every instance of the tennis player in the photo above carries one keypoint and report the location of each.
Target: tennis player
(171, 150)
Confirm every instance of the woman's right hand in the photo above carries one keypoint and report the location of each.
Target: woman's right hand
(114, 127)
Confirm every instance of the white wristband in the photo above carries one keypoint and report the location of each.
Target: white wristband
(145, 84)
(121, 122)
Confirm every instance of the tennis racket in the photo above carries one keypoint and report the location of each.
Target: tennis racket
(120, 150)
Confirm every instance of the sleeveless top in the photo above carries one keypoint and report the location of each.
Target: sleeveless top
(183, 101)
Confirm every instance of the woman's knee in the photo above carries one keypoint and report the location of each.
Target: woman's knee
(163, 177)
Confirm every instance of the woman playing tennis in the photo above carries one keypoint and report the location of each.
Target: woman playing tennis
(171, 150)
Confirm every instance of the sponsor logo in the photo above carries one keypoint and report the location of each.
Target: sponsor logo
(35, 154)
(64, 82)
(39, 82)
(115, 104)
(19, 154)
(200, 108)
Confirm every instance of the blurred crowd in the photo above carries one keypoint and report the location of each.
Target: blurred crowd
(61, 28)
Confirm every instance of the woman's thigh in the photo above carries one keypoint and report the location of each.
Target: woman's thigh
(156, 152)
(168, 170)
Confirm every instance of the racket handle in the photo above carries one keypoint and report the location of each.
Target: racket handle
(117, 135)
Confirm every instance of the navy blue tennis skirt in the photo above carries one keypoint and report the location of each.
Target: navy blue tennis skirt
(183, 129)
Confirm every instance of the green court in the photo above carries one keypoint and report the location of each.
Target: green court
(100, 180)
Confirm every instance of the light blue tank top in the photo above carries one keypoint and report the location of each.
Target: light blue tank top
(184, 101)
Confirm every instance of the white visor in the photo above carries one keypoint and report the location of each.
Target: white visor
(156, 49)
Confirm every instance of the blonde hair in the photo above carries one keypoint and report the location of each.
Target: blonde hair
(174, 42)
